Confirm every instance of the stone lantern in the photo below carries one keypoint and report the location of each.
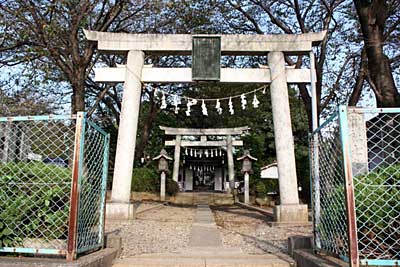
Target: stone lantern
(162, 169)
(247, 169)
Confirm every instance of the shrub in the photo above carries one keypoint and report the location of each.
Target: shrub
(377, 198)
(34, 201)
(145, 180)
(172, 187)
(7, 236)
(261, 189)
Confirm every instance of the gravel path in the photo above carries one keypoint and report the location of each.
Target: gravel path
(249, 230)
(163, 229)
(159, 230)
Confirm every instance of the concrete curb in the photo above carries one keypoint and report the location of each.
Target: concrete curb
(101, 258)
(151, 208)
(300, 249)
(306, 258)
(263, 211)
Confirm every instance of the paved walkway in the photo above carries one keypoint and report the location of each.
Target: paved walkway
(205, 249)
(204, 229)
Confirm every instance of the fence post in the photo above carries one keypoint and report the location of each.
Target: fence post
(104, 187)
(349, 188)
(77, 171)
(315, 186)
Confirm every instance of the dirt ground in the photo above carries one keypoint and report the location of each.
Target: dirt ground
(156, 229)
(250, 230)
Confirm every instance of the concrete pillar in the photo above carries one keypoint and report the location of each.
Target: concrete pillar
(188, 179)
(6, 137)
(162, 186)
(358, 142)
(24, 145)
(289, 209)
(218, 179)
(127, 131)
(231, 167)
(246, 188)
(177, 155)
(12, 142)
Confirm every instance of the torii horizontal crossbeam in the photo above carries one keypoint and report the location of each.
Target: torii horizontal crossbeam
(231, 44)
(208, 131)
(184, 75)
(185, 143)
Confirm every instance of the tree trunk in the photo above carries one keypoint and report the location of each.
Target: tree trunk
(372, 16)
(305, 96)
(148, 124)
(78, 91)
(362, 72)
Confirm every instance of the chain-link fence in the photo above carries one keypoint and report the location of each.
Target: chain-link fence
(355, 165)
(328, 190)
(53, 172)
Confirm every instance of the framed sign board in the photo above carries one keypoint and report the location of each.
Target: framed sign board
(206, 58)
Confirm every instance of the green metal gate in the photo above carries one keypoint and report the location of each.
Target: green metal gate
(355, 166)
(53, 172)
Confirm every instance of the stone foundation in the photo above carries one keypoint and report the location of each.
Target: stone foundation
(294, 213)
(120, 211)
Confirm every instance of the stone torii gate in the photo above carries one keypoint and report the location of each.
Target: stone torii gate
(134, 73)
(203, 133)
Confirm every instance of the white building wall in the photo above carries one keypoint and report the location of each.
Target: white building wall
(218, 179)
(188, 179)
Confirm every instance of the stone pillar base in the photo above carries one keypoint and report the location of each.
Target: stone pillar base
(120, 211)
(294, 213)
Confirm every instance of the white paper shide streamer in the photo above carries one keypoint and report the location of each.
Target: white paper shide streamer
(207, 153)
(230, 105)
(204, 108)
(255, 102)
(189, 104)
(176, 103)
(218, 107)
(163, 102)
(243, 101)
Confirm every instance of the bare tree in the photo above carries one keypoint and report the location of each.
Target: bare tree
(373, 19)
(48, 34)
(341, 63)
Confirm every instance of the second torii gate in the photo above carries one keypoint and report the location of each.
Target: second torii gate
(228, 133)
(134, 73)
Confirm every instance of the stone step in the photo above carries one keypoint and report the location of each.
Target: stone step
(202, 260)
(216, 252)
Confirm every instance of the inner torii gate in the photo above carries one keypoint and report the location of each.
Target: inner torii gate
(134, 73)
(203, 133)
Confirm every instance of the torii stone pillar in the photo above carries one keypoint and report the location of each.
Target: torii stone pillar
(231, 167)
(177, 155)
(121, 190)
(289, 209)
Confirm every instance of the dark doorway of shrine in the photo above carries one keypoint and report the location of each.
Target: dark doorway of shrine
(204, 170)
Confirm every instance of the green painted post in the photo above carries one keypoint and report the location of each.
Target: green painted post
(349, 187)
